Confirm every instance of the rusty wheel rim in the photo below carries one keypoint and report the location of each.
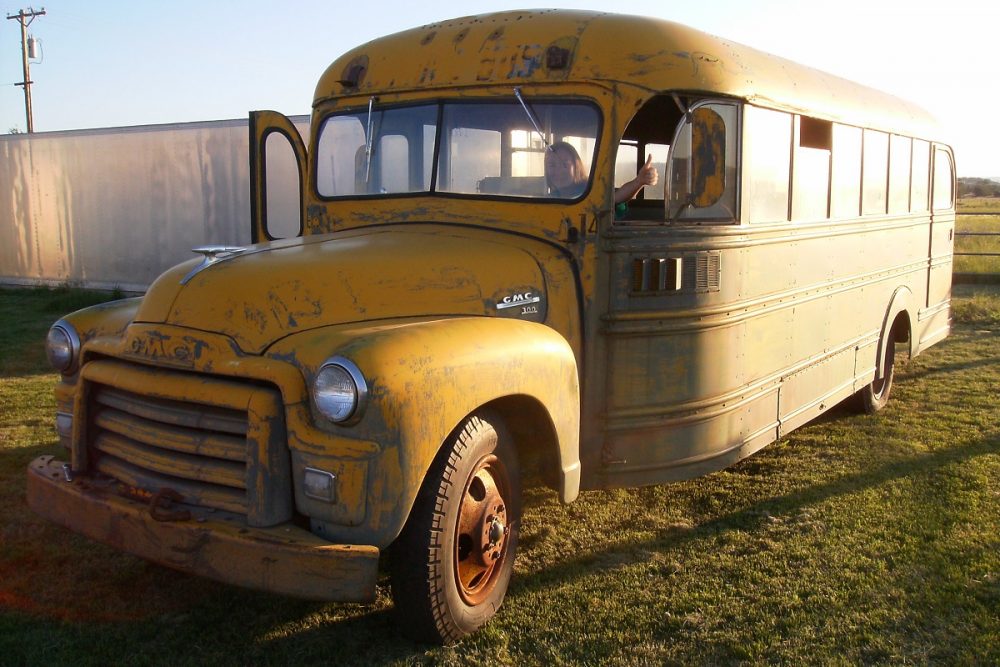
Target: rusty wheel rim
(482, 532)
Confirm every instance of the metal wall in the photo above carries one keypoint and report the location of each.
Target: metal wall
(115, 207)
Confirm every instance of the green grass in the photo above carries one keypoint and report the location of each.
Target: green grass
(854, 540)
(979, 205)
(27, 315)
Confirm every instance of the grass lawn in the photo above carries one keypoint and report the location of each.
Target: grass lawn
(979, 205)
(857, 539)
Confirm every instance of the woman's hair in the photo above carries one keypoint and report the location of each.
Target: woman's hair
(565, 150)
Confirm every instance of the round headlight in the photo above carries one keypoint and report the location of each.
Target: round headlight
(339, 390)
(61, 346)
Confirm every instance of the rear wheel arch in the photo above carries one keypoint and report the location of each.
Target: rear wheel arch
(897, 327)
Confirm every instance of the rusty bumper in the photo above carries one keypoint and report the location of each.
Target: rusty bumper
(283, 559)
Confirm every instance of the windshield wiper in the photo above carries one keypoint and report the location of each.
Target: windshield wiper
(531, 117)
(369, 141)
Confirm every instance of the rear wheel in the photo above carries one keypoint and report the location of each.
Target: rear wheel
(453, 561)
(875, 396)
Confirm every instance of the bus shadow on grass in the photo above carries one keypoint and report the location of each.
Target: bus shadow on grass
(754, 517)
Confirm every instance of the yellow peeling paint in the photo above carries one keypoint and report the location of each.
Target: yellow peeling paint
(451, 303)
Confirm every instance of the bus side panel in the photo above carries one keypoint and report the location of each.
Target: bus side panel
(935, 320)
(809, 392)
(942, 225)
(942, 238)
(675, 408)
(698, 379)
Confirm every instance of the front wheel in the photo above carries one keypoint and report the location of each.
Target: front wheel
(451, 565)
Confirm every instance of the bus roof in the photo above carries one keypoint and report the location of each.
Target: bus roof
(523, 47)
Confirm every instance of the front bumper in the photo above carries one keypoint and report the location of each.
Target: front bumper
(219, 545)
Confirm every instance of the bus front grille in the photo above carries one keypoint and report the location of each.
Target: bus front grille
(217, 442)
(150, 443)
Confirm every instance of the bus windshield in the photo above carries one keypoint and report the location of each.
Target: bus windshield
(467, 148)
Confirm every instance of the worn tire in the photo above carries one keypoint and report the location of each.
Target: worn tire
(875, 396)
(451, 565)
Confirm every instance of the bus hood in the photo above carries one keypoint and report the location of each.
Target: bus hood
(266, 292)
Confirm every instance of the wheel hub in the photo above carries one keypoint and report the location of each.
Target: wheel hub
(497, 531)
(482, 530)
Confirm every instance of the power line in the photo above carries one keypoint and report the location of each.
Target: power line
(25, 18)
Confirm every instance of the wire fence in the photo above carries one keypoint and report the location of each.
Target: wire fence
(977, 249)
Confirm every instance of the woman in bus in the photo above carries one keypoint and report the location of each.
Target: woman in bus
(566, 175)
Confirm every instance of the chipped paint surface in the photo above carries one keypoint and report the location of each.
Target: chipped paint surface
(385, 273)
(651, 53)
(449, 303)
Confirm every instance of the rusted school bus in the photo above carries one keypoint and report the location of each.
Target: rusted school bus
(443, 318)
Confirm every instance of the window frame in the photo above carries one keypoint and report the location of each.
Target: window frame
(440, 103)
(737, 143)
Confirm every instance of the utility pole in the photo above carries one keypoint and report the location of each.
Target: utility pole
(25, 18)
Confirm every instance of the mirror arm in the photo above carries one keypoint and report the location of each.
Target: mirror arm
(686, 111)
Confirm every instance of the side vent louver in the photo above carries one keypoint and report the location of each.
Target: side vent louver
(693, 273)
(706, 272)
(656, 275)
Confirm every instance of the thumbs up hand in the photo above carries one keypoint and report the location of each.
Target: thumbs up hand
(648, 174)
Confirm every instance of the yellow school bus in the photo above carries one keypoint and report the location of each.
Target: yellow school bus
(607, 250)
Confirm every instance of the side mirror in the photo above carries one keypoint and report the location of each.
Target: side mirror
(708, 157)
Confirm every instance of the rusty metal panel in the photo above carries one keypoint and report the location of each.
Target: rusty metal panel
(216, 443)
(284, 559)
(116, 207)
(269, 473)
(543, 46)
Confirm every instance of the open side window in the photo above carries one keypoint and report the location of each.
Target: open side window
(693, 146)
(648, 134)
(277, 159)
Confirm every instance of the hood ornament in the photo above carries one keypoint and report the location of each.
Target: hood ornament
(212, 255)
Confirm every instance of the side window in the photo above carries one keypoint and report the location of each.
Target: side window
(874, 170)
(768, 160)
(811, 169)
(626, 162)
(920, 178)
(659, 152)
(649, 134)
(845, 176)
(282, 181)
(900, 158)
(944, 192)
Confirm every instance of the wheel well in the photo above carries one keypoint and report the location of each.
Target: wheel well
(900, 331)
(534, 437)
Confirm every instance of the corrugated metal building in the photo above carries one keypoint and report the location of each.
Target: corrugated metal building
(115, 207)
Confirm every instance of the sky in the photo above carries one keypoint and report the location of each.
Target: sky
(116, 63)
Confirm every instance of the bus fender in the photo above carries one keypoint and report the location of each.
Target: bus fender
(428, 377)
(899, 304)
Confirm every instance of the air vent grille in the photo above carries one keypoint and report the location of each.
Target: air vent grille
(691, 273)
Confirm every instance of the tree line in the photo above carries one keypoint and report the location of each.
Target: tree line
(978, 187)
